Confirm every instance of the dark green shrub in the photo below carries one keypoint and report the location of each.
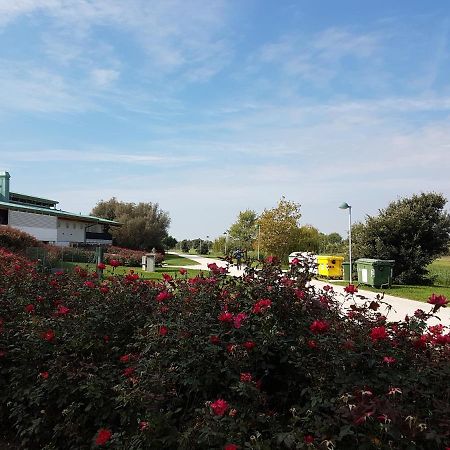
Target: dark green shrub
(261, 362)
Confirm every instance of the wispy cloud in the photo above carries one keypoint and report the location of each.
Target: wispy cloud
(25, 87)
(96, 155)
(318, 58)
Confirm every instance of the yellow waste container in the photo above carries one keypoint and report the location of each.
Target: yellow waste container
(330, 266)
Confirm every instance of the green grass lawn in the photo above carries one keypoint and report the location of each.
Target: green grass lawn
(173, 271)
(419, 293)
(175, 260)
(440, 269)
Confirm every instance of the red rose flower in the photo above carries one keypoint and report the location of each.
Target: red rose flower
(101, 266)
(319, 326)
(183, 271)
(249, 345)
(351, 289)
(89, 284)
(231, 447)
(106, 339)
(104, 289)
(262, 305)
(48, 335)
(309, 439)
(163, 331)
(378, 333)
(44, 375)
(295, 262)
(144, 425)
(62, 310)
(125, 358)
(225, 316)
(114, 263)
(300, 294)
(419, 313)
(389, 360)
(128, 371)
(103, 436)
(214, 340)
(219, 407)
(421, 342)
(312, 344)
(30, 308)
(246, 377)
(167, 277)
(238, 319)
(163, 295)
(436, 329)
(438, 300)
(231, 348)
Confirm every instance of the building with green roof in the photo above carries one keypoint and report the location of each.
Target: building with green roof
(41, 218)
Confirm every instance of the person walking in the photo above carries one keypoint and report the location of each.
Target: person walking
(238, 256)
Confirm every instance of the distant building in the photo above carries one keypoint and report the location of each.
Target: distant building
(40, 218)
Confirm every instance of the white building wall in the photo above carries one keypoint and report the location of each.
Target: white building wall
(40, 226)
(71, 231)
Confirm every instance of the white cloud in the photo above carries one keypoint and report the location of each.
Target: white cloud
(104, 78)
(95, 155)
(317, 58)
(27, 88)
(176, 35)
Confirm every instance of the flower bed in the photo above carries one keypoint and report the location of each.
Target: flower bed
(214, 362)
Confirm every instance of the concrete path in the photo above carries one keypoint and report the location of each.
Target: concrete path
(400, 306)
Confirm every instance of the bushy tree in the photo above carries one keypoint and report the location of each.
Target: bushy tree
(219, 244)
(310, 239)
(280, 230)
(144, 225)
(185, 245)
(412, 231)
(169, 242)
(244, 231)
(333, 244)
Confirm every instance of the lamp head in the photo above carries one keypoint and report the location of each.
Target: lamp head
(345, 205)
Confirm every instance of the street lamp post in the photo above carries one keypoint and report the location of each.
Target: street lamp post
(259, 239)
(347, 206)
(226, 242)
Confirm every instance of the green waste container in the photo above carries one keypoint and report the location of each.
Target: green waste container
(375, 272)
(346, 267)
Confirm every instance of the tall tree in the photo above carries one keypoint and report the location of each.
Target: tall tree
(280, 231)
(243, 232)
(310, 239)
(144, 225)
(412, 231)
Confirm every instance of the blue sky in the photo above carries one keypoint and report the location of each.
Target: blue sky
(213, 107)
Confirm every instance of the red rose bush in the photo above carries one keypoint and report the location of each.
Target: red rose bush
(264, 361)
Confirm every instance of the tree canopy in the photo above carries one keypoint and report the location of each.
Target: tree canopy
(280, 231)
(144, 225)
(243, 232)
(412, 231)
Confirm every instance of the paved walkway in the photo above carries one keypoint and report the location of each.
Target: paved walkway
(400, 306)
